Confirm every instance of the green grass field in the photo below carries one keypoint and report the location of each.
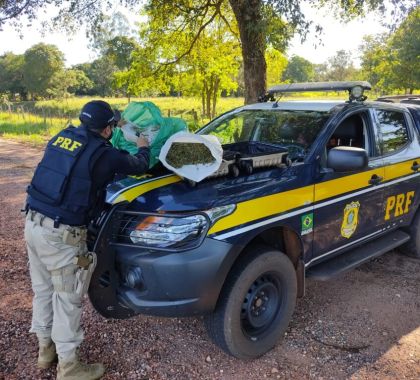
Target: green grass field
(36, 122)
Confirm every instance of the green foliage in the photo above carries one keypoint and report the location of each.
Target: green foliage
(11, 74)
(101, 73)
(340, 67)
(320, 72)
(42, 62)
(276, 64)
(60, 83)
(376, 62)
(83, 85)
(392, 62)
(161, 64)
(119, 50)
(298, 70)
(105, 28)
(257, 22)
(405, 48)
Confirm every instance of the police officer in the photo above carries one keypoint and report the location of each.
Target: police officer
(67, 185)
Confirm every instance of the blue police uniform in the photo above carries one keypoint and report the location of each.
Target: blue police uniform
(65, 190)
(76, 166)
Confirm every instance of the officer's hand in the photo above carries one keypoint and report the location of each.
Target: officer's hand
(142, 142)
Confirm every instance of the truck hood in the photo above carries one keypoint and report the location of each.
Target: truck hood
(170, 193)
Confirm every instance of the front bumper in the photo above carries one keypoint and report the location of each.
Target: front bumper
(172, 284)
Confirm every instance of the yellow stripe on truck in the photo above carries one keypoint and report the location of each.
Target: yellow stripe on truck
(265, 206)
(334, 187)
(135, 192)
(398, 170)
(269, 205)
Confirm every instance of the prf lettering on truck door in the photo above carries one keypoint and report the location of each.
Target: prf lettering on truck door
(398, 205)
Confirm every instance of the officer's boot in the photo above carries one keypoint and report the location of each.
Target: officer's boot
(75, 370)
(46, 354)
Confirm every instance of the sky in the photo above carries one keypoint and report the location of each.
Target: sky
(336, 36)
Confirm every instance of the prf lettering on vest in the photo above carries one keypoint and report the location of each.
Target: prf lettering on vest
(66, 143)
(398, 204)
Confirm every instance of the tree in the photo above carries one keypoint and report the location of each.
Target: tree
(340, 67)
(405, 49)
(276, 64)
(392, 62)
(106, 28)
(42, 62)
(11, 75)
(120, 50)
(321, 72)
(209, 68)
(61, 82)
(299, 70)
(83, 85)
(376, 63)
(102, 75)
(251, 17)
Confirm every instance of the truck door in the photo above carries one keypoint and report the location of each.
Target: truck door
(401, 155)
(348, 205)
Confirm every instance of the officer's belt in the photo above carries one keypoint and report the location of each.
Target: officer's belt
(47, 222)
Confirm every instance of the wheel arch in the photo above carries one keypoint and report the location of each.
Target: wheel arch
(281, 238)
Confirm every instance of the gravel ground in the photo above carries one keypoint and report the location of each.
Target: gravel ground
(364, 325)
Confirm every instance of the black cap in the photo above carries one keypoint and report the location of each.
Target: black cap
(98, 114)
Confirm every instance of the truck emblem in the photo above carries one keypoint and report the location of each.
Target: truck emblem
(350, 219)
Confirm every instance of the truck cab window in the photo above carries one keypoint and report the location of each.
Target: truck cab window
(393, 130)
(352, 131)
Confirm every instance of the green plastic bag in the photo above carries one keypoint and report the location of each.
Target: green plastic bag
(150, 122)
(118, 141)
(171, 125)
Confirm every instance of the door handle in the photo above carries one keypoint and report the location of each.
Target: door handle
(415, 167)
(375, 179)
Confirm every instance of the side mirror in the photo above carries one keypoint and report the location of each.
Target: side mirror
(347, 159)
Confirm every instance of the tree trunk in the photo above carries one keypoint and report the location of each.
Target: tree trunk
(249, 18)
(215, 91)
(203, 102)
(207, 91)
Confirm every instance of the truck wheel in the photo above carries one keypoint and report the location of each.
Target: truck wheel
(412, 247)
(256, 304)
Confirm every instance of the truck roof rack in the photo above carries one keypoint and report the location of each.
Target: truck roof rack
(355, 89)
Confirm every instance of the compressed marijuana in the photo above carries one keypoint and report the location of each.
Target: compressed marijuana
(181, 154)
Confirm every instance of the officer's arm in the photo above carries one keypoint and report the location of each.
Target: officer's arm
(124, 163)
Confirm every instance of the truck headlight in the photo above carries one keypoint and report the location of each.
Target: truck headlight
(169, 232)
(220, 212)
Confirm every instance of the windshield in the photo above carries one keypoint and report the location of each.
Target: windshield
(294, 130)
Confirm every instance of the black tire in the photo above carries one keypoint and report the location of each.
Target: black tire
(255, 305)
(412, 247)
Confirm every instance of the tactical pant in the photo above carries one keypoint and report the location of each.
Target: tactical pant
(56, 306)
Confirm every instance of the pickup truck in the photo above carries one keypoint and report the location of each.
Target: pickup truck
(237, 249)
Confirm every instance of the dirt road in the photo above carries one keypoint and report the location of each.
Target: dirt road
(364, 325)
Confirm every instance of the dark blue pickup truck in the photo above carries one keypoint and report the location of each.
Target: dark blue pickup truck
(237, 249)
